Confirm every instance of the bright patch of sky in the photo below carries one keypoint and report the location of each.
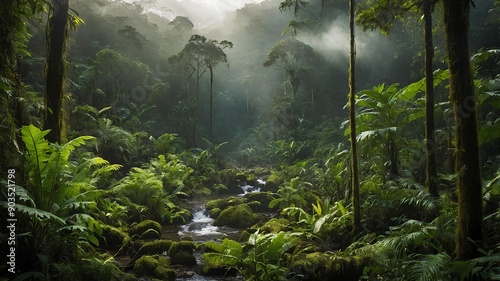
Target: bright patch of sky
(202, 13)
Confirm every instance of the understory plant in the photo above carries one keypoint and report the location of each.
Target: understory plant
(262, 257)
(55, 204)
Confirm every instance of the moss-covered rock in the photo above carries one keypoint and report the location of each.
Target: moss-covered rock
(217, 203)
(214, 213)
(263, 199)
(272, 183)
(320, 266)
(275, 225)
(240, 216)
(233, 201)
(145, 265)
(163, 273)
(154, 266)
(182, 253)
(187, 246)
(241, 177)
(183, 258)
(156, 247)
(143, 226)
(112, 237)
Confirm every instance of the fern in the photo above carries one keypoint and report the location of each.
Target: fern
(227, 253)
(429, 267)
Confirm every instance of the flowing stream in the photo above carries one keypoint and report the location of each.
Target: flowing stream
(201, 229)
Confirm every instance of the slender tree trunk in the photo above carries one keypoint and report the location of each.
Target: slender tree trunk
(195, 106)
(210, 125)
(469, 190)
(430, 140)
(57, 36)
(352, 120)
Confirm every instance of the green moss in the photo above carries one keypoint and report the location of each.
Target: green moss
(182, 253)
(241, 177)
(154, 247)
(164, 273)
(113, 238)
(215, 212)
(143, 226)
(262, 198)
(217, 203)
(272, 183)
(163, 261)
(275, 225)
(251, 179)
(240, 216)
(183, 258)
(145, 265)
(157, 266)
(324, 266)
(233, 201)
(186, 246)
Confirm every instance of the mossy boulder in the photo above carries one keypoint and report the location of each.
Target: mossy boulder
(320, 266)
(214, 213)
(241, 177)
(145, 265)
(251, 179)
(143, 226)
(262, 198)
(182, 253)
(157, 247)
(275, 225)
(163, 273)
(272, 183)
(214, 207)
(155, 267)
(216, 204)
(112, 237)
(240, 216)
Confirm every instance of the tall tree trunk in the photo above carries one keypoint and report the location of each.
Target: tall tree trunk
(469, 190)
(352, 120)
(210, 125)
(431, 179)
(57, 36)
(195, 106)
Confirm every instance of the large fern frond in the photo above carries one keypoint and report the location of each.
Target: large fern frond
(429, 267)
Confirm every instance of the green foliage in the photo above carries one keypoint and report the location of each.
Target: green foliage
(261, 258)
(58, 201)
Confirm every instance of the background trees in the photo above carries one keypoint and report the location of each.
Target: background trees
(137, 85)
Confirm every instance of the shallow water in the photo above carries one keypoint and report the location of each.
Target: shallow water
(201, 229)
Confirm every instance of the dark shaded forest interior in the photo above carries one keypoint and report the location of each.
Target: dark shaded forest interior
(250, 140)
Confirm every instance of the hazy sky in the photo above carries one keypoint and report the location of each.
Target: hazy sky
(203, 12)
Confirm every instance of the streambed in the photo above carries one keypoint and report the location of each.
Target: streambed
(201, 229)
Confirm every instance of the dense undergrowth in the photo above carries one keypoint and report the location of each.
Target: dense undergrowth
(80, 213)
(95, 207)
